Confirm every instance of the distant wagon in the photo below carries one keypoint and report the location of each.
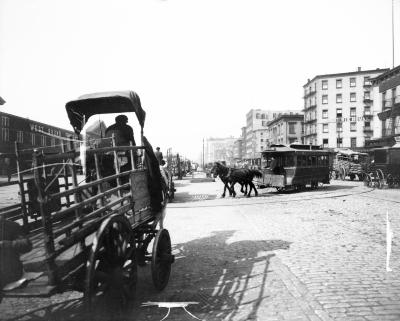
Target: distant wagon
(294, 167)
(348, 163)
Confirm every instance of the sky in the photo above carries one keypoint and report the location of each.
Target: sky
(198, 66)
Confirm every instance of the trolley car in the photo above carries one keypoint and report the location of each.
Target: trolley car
(294, 167)
(90, 236)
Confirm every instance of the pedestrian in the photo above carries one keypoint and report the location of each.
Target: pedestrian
(13, 242)
(159, 155)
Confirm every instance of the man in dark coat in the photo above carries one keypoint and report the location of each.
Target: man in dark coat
(123, 133)
(13, 242)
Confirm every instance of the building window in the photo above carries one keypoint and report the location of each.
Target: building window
(325, 128)
(353, 142)
(20, 136)
(338, 83)
(324, 99)
(264, 123)
(339, 127)
(367, 81)
(338, 98)
(324, 84)
(325, 113)
(5, 135)
(33, 139)
(353, 127)
(367, 95)
(367, 110)
(353, 114)
(367, 124)
(339, 142)
(42, 140)
(257, 116)
(325, 142)
(5, 121)
(338, 112)
(352, 82)
(353, 97)
(292, 128)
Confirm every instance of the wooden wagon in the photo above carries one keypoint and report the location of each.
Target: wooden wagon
(90, 235)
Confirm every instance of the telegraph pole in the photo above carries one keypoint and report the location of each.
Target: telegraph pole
(203, 155)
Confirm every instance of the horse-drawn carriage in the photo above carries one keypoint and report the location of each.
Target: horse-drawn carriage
(90, 235)
(384, 169)
(349, 163)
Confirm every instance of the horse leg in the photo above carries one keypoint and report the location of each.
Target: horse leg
(233, 193)
(252, 186)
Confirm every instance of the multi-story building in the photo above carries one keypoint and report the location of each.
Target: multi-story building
(219, 149)
(286, 128)
(387, 107)
(30, 135)
(338, 109)
(257, 130)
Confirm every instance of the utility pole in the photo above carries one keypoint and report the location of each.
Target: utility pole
(203, 155)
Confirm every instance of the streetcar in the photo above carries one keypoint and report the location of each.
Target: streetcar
(294, 167)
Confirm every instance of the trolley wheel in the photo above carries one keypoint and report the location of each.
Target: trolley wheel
(390, 181)
(161, 259)
(111, 274)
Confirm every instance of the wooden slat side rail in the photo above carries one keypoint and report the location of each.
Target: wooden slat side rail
(91, 216)
(72, 154)
(88, 229)
(57, 216)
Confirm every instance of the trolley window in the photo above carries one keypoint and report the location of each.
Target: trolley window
(289, 161)
(314, 160)
(395, 156)
(309, 161)
(380, 156)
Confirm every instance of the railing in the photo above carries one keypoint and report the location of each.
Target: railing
(367, 84)
(368, 129)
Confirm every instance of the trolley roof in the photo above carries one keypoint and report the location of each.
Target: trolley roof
(294, 149)
(81, 109)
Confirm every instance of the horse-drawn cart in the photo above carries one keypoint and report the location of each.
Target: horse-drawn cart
(348, 163)
(385, 167)
(90, 235)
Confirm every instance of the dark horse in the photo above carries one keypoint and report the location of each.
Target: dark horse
(231, 176)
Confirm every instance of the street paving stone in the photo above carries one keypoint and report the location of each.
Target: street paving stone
(315, 255)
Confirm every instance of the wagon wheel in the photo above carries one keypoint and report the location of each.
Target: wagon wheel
(380, 178)
(368, 180)
(390, 181)
(111, 274)
(161, 259)
(342, 173)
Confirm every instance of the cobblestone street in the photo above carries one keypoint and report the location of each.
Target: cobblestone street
(315, 255)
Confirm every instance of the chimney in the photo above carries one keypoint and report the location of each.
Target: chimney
(358, 68)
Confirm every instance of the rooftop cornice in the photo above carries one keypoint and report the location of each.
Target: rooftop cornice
(361, 72)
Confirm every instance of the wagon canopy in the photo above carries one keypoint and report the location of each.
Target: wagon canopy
(80, 110)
